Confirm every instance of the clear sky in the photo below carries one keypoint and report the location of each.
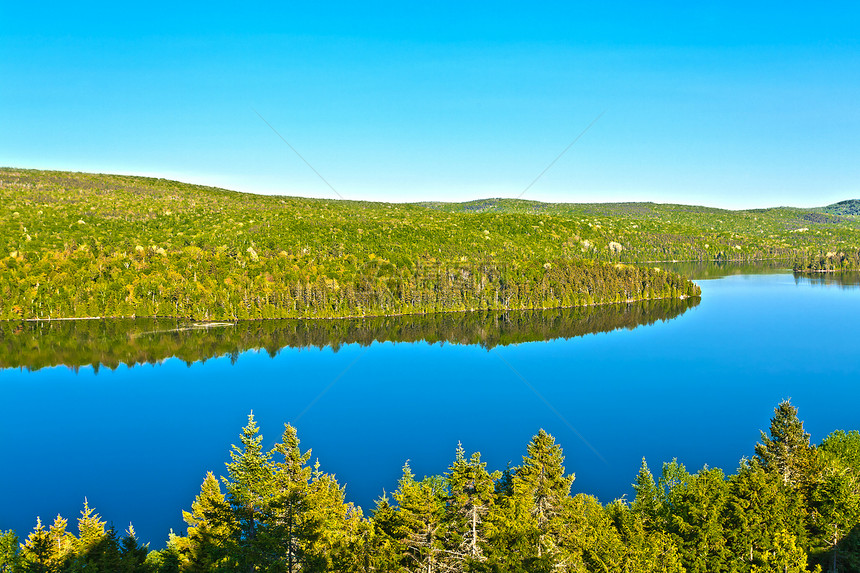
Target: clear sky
(746, 104)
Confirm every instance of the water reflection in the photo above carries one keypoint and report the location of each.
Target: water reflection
(702, 270)
(845, 279)
(109, 343)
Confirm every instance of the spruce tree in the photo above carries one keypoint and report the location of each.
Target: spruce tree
(330, 521)
(787, 450)
(542, 484)
(249, 489)
(91, 529)
(386, 547)
(648, 500)
(293, 525)
(62, 543)
(132, 553)
(210, 528)
(36, 550)
(420, 511)
(9, 551)
(759, 510)
(471, 495)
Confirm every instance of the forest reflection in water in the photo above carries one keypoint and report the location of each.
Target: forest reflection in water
(706, 270)
(847, 279)
(112, 342)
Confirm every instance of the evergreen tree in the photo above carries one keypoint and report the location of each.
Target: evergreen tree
(644, 549)
(36, 550)
(647, 502)
(760, 512)
(210, 528)
(835, 499)
(106, 554)
(383, 543)
(8, 551)
(471, 495)
(249, 489)
(62, 543)
(694, 518)
(91, 530)
(132, 553)
(786, 451)
(420, 511)
(542, 484)
(330, 522)
(293, 525)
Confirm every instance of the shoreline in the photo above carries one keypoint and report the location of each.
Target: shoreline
(226, 322)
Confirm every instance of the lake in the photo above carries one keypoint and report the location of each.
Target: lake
(132, 414)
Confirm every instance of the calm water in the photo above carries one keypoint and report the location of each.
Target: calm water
(692, 381)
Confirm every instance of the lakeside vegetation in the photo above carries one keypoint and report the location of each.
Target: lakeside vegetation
(792, 507)
(82, 245)
(109, 343)
(79, 245)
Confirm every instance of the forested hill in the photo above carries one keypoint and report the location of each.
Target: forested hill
(75, 244)
(849, 207)
(653, 231)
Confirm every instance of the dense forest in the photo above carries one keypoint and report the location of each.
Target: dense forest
(109, 343)
(77, 245)
(791, 507)
(93, 245)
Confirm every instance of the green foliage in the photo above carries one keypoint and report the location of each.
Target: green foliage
(851, 207)
(77, 245)
(9, 557)
(787, 451)
(281, 515)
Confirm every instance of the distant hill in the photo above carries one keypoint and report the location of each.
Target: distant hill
(850, 207)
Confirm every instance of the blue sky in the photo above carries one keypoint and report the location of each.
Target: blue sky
(732, 105)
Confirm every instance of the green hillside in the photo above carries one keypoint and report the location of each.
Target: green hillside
(76, 244)
(851, 207)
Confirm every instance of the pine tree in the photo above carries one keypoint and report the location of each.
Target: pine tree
(648, 501)
(9, 551)
(36, 550)
(249, 488)
(543, 485)
(786, 451)
(132, 553)
(420, 511)
(210, 528)
(758, 507)
(91, 529)
(294, 527)
(471, 495)
(62, 543)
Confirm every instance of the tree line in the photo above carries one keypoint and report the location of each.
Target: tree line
(792, 507)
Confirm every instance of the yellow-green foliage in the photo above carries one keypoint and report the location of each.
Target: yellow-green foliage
(78, 245)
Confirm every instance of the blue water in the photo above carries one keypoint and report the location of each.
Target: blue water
(137, 442)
